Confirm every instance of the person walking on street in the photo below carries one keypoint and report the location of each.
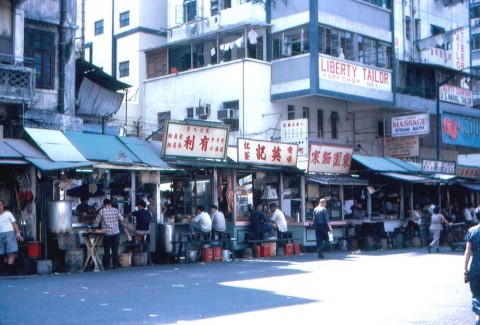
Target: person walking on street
(436, 228)
(110, 219)
(9, 234)
(322, 226)
(472, 270)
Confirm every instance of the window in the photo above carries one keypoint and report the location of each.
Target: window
(233, 123)
(124, 68)
(189, 112)
(320, 123)
(436, 30)
(99, 27)
(291, 42)
(39, 46)
(408, 27)
(124, 19)
(305, 112)
(163, 117)
(291, 112)
(476, 42)
(157, 63)
(189, 10)
(418, 30)
(334, 121)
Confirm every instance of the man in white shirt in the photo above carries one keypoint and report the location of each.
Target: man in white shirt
(277, 216)
(201, 223)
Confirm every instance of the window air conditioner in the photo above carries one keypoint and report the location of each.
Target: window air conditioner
(229, 113)
(203, 110)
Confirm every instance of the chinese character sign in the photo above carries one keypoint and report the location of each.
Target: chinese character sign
(329, 159)
(296, 132)
(438, 166)
(265, 152)
(196, 141)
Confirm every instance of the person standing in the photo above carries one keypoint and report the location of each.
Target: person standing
(218, 220)
(152, 207)
(322, 226)
(436, 228)
(412, 224)
(9, 234)
(110, 219)
(201, 223)
(278, 218)
(472, 270)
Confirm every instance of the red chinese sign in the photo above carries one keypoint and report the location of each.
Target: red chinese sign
(269, 153)
(329, 159)
(468, 172)
(196, 141)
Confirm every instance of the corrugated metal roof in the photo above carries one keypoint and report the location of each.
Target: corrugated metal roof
(408, 178)
(106, 148)
(55, 145)
(47, 164)
(336, 180)
(7, 152)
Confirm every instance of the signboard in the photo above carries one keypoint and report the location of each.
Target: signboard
(450, 49)
(456, 95)
(460, 130)
(468, 172)
(195, 141)
(408, 125)
(267, 153)
(402, 147)
(329, 159)
(437, 166)
(296, 132)
(350, 73)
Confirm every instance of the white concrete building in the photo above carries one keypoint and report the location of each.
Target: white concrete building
(115, 34)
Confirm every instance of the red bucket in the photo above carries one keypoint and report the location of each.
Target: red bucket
(296, 249)
(34, 249)
(288, 249)
(207, 254)
(217, 253)
(265, 251)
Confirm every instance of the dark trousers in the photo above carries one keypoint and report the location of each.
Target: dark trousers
(321, 235)
(111, 242)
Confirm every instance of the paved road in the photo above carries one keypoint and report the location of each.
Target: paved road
(381, 287)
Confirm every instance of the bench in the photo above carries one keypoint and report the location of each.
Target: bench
(186, 242)
(283, 238)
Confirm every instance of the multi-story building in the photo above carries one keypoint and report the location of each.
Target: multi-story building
(37, 65)
(114, 33)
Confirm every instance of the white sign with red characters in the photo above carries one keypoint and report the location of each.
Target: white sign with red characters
(296, 132)
(268, 153)
(195, 141)
(329, 159)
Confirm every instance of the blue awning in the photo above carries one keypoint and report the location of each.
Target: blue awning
(381, 164)
(115, 152)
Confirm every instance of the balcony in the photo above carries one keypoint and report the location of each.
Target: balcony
(17, 84)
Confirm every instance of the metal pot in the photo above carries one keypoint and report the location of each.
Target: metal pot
(59, 216)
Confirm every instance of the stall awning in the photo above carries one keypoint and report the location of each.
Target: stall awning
(408, 178)
(115, 152)
(381, 164)
(336, 180)
(475, 187)
(20, 152)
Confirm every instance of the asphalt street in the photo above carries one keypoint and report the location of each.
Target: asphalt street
(406, 286)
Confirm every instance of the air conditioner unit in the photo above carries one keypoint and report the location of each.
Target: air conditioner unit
(203, 110)
(229, 113)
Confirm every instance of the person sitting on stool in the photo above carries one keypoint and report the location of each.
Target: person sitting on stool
(142, 218)
(201, 223)
(218, 220)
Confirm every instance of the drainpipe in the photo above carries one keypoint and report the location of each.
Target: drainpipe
(61, 55)
(114, 49)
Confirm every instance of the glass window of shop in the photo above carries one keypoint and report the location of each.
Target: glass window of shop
(291, 42)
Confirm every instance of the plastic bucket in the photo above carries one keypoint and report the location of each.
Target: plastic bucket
(226, 255)
(140, 259)
(217, 253)
(207, 254)
(74, 260)
(192, 256)
(125, 259)
(296, 249)
(34, 249)
(265, 251)
(288, 249)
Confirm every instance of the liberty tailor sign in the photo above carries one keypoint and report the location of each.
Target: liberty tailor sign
(358, 75)
(195, 141)
(268, 153)
(456, 95)
(417, 124)
(460, 130)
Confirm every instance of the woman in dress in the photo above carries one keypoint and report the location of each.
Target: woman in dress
(472, 270)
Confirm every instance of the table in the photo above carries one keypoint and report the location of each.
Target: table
(93, 240)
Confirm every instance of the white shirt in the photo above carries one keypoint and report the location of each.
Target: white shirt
(279, 218)
(467, 214)
(204, 221)
(416, 217)
(218, 221)
(6, 220)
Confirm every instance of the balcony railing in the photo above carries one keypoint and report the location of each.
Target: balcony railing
(17, 82)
